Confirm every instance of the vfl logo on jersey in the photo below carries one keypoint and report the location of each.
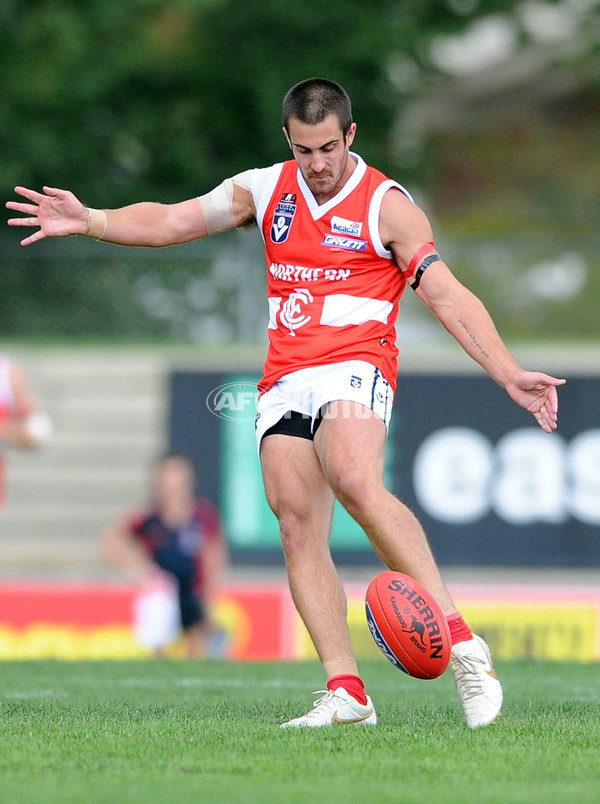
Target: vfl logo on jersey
(291, 314)
(348, 243)
(283, 217)
(345, 227)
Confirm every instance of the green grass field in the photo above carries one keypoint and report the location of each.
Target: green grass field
(177, 731)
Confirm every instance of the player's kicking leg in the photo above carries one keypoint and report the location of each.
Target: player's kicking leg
(478, 686)
(350, 451)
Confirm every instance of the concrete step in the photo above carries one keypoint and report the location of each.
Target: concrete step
(54, 554)
(109, 418)
(85, 453)
(88, 487)
(61, 518)
(106, 416)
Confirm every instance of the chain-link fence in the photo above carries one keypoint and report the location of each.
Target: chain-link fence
(213, 290)
(209, 290)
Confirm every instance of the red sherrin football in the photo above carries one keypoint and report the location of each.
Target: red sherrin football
(408, 625)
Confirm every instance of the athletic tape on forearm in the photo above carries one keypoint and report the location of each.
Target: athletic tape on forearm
(97, 223)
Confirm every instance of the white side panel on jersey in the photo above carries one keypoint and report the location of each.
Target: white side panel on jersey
(244, 179)
(264, 181)
(374, 213)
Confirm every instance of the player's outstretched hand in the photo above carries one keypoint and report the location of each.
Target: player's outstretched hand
(57, 213)
(536, 392)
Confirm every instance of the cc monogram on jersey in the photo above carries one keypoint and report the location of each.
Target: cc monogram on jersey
(333, 287)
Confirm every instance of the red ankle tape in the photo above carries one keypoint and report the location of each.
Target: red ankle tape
(459, 630)
(354, 686)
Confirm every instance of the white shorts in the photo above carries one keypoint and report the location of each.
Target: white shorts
(306, 391)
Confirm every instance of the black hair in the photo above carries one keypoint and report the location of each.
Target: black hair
(312, 100)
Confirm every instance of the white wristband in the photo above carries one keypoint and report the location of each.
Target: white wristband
(97, 223)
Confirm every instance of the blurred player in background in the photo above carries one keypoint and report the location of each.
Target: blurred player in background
(22, 423)
(342, 243)
(173, 545)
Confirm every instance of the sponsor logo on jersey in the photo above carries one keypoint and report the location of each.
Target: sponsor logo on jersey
(345, 227)
(348, 243)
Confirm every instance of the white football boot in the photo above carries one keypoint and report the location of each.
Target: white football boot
(334, 708)
(477, 684)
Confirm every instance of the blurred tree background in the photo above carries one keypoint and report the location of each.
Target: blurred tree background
(487, 110)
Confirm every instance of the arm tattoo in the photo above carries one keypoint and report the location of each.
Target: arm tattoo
(476, 343)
